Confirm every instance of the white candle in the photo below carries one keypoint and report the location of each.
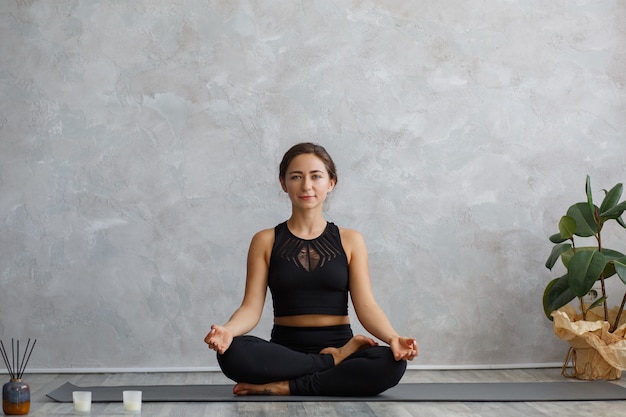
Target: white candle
(82, 406)
(132, 406)
(82, 402)
(132, 402)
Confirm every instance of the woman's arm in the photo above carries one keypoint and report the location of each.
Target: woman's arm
(247, 316)
(371, 316)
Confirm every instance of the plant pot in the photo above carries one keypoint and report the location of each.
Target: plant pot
(595, 353)
(586, 363)
(15, 397)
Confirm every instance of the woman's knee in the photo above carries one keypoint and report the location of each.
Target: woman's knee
(233, 361)
(388, 371)
(389, 368)
(399, 368)
(372, 371)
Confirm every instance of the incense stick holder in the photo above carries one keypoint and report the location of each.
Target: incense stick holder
(15, 398)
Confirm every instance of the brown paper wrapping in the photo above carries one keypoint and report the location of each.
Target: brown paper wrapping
(593, 334)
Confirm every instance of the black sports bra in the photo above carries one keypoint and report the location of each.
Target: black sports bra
(308, 276)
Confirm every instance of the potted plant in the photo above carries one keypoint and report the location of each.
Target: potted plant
(597, 340)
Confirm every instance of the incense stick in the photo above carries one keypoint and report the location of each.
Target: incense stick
(6, 359)
(28, 358)
(15, 367)
(20, 370)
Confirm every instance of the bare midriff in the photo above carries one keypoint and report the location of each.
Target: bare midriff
(311, 320)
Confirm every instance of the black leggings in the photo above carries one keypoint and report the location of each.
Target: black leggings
(292, 354)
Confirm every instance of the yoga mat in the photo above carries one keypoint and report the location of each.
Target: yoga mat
(463, 392)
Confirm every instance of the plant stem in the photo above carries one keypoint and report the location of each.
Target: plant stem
(619, 315)
(599, 239)
(606, 309)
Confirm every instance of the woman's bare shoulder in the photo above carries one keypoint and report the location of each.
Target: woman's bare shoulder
(261, 245)
(351, 239)
(350, 233)
(263, 237)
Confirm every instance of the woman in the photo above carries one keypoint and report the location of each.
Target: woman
(310, 266)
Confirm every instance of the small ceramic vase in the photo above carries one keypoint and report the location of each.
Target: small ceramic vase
(15, 398)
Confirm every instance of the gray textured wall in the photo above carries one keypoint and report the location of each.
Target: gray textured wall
(140, 142)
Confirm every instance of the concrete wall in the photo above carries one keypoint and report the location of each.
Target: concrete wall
(139, 145)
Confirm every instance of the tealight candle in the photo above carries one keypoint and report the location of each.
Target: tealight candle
(82, 402)
(132, 402)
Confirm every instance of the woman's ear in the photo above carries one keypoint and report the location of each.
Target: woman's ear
(282, 183)
(332, 185)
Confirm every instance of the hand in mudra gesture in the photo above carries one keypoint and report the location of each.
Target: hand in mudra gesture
(219, 338)
(404, 348)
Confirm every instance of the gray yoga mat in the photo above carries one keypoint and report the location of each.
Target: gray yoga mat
(468, 392)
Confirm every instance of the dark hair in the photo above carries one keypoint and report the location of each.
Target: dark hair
(308, 148)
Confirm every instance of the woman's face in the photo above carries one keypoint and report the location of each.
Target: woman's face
(307, 181)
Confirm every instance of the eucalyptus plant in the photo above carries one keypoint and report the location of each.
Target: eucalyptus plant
(586, 265)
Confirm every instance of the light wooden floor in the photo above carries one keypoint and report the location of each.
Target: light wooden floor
(41, 384)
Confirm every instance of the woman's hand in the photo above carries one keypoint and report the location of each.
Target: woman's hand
(404, 348)
(219, 338)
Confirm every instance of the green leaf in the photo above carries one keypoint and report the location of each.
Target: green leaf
(556, 295)
(567, 227)
(620, 268)
(610, 255)
(596, 303)
(611, 198)
(584, 217)
(621, 222)
(584, 270)
(557, 250)
(614, 212)
(557, 238)
(567, 255)
(589, 196)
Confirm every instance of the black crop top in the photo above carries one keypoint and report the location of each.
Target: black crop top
(308, 276)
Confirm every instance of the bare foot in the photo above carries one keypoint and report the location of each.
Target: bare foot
(357, 342)
(273, 388)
